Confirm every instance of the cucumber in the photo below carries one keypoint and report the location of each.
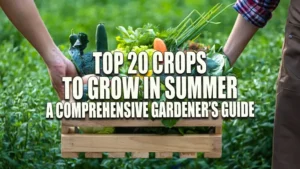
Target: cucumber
(101, 38)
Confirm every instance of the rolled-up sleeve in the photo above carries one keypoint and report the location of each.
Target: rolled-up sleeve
(258, 12)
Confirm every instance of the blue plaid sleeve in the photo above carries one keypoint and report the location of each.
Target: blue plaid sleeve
(258, 12)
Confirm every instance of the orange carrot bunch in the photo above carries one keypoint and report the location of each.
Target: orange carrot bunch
(159, 45)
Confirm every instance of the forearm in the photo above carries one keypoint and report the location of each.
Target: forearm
(241, 34)
(24, 15)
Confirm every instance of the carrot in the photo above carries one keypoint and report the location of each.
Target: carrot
(159, 45)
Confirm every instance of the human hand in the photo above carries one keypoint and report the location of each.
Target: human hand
(59, 66)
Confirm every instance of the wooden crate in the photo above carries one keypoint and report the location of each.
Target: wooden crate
(140, 144)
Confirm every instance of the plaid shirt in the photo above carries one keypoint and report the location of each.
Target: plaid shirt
(258, 12)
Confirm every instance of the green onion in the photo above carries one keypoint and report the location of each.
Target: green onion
(188, 29)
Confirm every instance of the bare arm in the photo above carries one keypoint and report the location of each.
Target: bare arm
(25, 16)
(240, 35)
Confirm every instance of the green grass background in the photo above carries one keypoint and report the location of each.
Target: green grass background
(28, 140)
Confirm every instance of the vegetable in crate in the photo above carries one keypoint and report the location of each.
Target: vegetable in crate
(81, 42)
(179, 38)
(73, 38)
(138, 37)
(148, 38)
(101, 38)
(160, 46)
(85, 62)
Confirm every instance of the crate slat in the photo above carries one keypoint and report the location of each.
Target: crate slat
(140, 122)
(64, 129)
(218, 152)
(139, 155)
(163, 155)
(213, 155)
(67, 129)
(93, 155)
(188, 155)
(116, 155)
(69, 155)
(218, 130)
(141, 142)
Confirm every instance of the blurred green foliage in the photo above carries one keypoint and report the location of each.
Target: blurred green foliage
(27, 140)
